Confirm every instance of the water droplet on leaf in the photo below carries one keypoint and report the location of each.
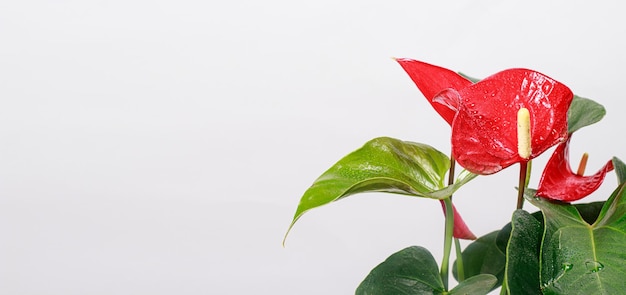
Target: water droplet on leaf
(593, 266)
(567, 266)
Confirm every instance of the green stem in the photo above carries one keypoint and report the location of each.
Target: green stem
(447, 242)
(457, 245)
(460, 271)
(503, 289)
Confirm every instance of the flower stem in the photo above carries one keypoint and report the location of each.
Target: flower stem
(447, 242)
(451, 172)
(460, 271)
(523, 174)
(504, 289)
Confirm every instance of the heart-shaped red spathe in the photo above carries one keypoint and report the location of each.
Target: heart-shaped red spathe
(484, 129)
(431, 80)
(558, 182)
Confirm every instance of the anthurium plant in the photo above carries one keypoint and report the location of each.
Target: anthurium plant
(502, 121)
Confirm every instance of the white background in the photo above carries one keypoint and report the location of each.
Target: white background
(161, 147)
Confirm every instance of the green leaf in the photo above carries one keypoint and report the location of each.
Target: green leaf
(583, 112)
(579, 258)
(590, 211)
(383, 165)
(412, 270)
(476, 285)
(620, 170)
(483, 256)
(486, 254)
(522, 262)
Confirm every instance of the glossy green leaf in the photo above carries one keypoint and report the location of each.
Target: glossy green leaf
(476, 285)
(410, 271)
(522, 261)
(502, 240)
(483, 256)
(583, 112)
(620, 170)
(486, 255)
(579, 258)
(383, 165)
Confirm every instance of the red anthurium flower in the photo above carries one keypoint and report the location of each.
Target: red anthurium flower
(558, 182)
(461, 231)
(483, 116)
(431, 80)
(484, 129)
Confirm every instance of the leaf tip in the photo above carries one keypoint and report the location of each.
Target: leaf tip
(288, 230)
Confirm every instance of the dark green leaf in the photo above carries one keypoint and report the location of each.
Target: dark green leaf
(383, 165)
(505, 233)
(476, 285)
(522, 263)
(589, 211)
(579, 258)
(483, 257)
(486, 254)
(620, 170)
(583, 112)
(410, 271)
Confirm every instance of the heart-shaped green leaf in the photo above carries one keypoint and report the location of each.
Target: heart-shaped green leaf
(410, 271)
(383, 165)
(583, 112)
(522, 262)
(579, 258)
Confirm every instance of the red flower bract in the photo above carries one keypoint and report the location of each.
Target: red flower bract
(431, 80)
(558, 182)
(461, 230)
(484, 129)
(483, 116)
